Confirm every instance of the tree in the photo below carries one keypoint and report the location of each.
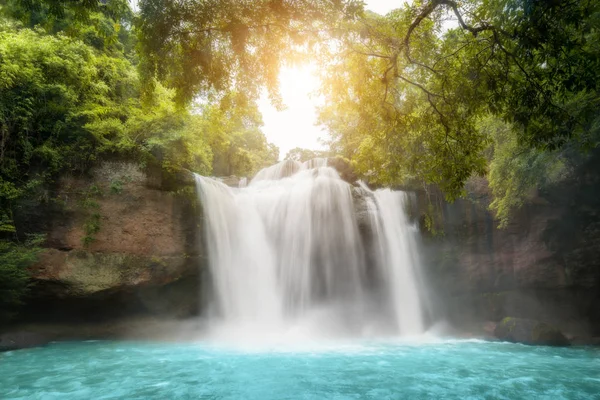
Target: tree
(103, 25)
(392, 127)
(233, 127)
(199, 46)
(302, 155)
(516, 172)
(71, 96)
(405, 94)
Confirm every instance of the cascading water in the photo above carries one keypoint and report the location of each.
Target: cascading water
(398, 256)
(289, 255)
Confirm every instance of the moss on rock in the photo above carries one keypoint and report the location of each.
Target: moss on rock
(82, 273)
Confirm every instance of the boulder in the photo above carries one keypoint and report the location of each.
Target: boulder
(529, 331)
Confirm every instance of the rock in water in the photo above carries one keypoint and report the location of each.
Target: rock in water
(529, 331)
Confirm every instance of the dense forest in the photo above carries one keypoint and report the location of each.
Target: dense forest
(435, 92)
(72, 95)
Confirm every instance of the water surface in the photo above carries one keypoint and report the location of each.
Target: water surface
(365, 370)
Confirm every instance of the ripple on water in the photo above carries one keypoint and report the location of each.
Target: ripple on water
(371, 370)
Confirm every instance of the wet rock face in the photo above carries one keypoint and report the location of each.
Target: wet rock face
(343, 167)
(80, 273)
(360, 198)
(528, 331)
(544, 265)
(116, 245)
(119, 209)
(22, 340)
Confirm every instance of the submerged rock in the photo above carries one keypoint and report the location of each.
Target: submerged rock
(529, 331)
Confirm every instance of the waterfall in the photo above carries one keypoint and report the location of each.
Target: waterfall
(399, 257)
(288, 252)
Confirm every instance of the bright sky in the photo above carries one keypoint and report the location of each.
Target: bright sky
(383, 6)
(296, 125)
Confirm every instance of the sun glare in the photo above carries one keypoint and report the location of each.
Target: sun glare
(297, 83)
(296, 125)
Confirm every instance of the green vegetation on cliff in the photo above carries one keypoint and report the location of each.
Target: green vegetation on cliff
(507, 90)
(407, 92)
(71, 96)
(14, 279)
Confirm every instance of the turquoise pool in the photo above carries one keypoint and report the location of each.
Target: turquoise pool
(361, 370)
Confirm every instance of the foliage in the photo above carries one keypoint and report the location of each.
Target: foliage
(60, 105)
(405, 93)
(71, 96)
(232, 128)
(92, 224)
(516, 172)
(14, 278)
(220, 45)
(116, 186)
(303, 155)
(102, 25)
(504, 91)
(64, 105)
(393, 128)
(91, 228)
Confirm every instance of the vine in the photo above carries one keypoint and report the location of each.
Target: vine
(93, 222)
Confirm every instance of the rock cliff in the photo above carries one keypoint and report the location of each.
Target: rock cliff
(544, 265)
(118, 244)
(124, 242)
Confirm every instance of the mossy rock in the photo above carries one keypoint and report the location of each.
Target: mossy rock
(81, 273)
(529, 331)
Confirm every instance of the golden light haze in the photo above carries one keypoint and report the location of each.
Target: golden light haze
(296, 125)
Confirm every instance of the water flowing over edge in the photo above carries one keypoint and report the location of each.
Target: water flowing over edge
(299, 254)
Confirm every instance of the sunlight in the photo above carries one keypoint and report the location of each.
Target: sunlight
(383, 6)
(297, 84)
(296, 125)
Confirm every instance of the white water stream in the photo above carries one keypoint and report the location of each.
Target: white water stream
(289, 254)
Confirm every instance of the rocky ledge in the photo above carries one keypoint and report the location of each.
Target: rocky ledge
(529, 331)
